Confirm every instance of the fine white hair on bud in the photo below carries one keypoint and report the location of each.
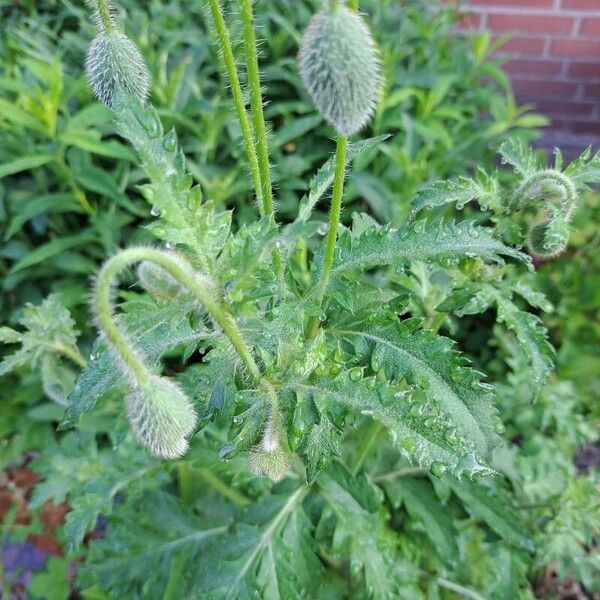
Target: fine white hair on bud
(116, 69)
(273, 464)
(161, 417)
(339, 65)
(158, 281)
(98, 18)
(268, 458)
(545, 241)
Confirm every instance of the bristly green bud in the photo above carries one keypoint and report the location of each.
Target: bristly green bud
(339, 65)
(268, 458)
(157, 281)
(548, 240)
(161, 417)
(273, 464)
(116, 69)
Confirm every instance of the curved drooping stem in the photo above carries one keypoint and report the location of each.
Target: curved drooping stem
(200, 286)
(557, 195)
(238, 100)
(334, 221)
(256, 103)
(542, 185)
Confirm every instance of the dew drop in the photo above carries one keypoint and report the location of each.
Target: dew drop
(356, 373)
(93, 357)
(155, 212)
(375, 364)
(169, 246)
(323, 229)
(170, 141)
(451, 436)
(225, 451)
(409, 444)
(149, 122)
(238, 419)
(438, 468)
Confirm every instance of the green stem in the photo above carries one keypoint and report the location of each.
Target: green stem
(104, 14)
(184, 479)
(200, 286)
(334, 221)
(238, 98)
(372, 435)
(72, 354)
(353, 5)
(235, 497)
(532, 189)
(256, 103)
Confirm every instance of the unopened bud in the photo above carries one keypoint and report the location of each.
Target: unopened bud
(161, 417)
(116, 69)
(339, 65)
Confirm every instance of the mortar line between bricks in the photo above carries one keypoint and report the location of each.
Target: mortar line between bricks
(526, 12)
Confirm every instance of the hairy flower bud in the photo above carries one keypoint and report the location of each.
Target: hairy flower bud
(161, 417)
(273, 464)
(157, 281)
(116, 69)
(339, 65)
(546, 240)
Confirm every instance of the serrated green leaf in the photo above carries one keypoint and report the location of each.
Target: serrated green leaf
(532, 337)
(268, 551)
(484, 188)
(89, 478)
(517, 153)
(427, 360)
(157, 531)
(493, 508)
(435, 241)
(49, 333)
(426, 444)
(358, 535)
(426, 511)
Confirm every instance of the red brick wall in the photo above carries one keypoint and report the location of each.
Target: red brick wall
(555, 57)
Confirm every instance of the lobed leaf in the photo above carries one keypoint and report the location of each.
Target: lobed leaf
(483, 188)
(435, 241)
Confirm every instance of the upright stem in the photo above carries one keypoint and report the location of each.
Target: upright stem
(256, 103)
(105, 17)
(334, 221)
(238, 98)
(201, 287)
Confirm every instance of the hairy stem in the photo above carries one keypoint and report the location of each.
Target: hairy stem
(200, 287)
(256, 103)
(72, 354)
(238, 99)
(532, 188)
(104, 14)
(334, 221)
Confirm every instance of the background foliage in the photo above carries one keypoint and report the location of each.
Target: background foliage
(69, 197)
